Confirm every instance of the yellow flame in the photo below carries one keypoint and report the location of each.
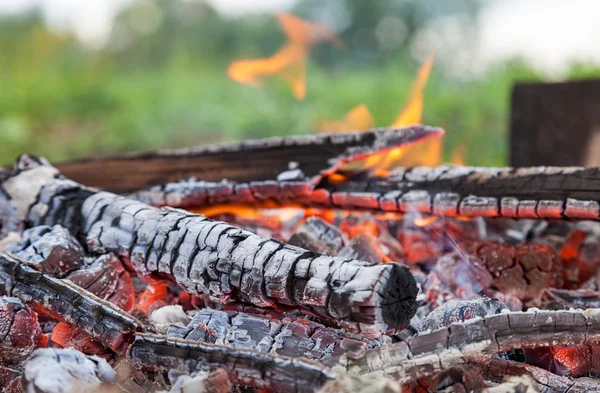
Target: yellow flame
(289, 63)
(413, 111)
(359, 118)
(458, 155)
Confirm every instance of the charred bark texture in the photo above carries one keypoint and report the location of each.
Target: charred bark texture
(246, 367)
(205, 256)
(67, 302)
(285, 336)
(537, 192)
(243, 161)
(475, 340)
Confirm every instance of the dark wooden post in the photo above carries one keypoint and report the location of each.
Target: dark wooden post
(555, 124)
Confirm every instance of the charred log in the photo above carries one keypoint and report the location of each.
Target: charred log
(475, 340)
(537, 192)
(67, 302)
(244, 161)
(246, 367)
(285, 336)
(204, 256)
(318, 236)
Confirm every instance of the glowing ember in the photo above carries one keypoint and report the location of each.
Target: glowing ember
(289, 63)
(358, 119)
(424, 221)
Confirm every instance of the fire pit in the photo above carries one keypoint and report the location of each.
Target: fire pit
(289, 264)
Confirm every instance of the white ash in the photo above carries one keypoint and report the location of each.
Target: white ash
(163, 317)
(53, 370)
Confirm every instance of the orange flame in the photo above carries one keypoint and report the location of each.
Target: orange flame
(413, 111)
(424, 221)
(359, 118)
(427, 153)
(458, 155)
(290, 62)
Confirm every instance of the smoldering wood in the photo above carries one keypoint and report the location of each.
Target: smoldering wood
(535, 192)
(555, 124)
(474, 340)
(495, 370)
(205, 256)
(318, 236)
(246, 367)
(284, 336)
(245, 161)
(20, 332)
(67, 302)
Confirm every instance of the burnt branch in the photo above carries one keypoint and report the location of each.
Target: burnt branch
(246, 367)
(67, 302)
(205, 256)
(285, 336)
(243, 161)
(475, 340)
(538, 192)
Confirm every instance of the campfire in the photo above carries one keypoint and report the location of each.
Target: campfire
(312, 271)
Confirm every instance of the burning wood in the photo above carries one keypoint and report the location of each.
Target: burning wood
(215, 258)
(67, 302)
(247, 367)
(336, 309)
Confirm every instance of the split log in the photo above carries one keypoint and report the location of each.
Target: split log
(67, 302)
(284, 336)
(205, 256)
(536, 192)
(244, 161)
(246, 367)
(474, 340)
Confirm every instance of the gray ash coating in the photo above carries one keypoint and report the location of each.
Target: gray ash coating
(454, 311)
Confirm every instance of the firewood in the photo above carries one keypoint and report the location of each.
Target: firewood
(536, 192)
(67, 302)
(474, 340)
(243, 161)
(246, 367)
(205, 256)
(284, 336)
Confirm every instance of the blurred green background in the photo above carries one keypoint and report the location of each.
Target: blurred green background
(160, 79)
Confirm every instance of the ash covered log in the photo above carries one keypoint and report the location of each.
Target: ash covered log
(246, 367)
(536, 192)
(474, 340)
(284, 336)
(244, 161)
(67, 302)
(204, 256)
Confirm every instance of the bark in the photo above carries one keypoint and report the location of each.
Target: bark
(243, 161)
(67, 302)
(536, 192)
(246, 367)
(205, 256)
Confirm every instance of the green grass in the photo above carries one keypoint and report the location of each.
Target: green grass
(98, 109)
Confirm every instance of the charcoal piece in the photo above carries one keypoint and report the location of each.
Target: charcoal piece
(363, 247)
(68, 336)
(242, 161)
(454, 311)
(106, 277)
(67, 302)
(318, 236)
(246, 367)
(52, 249)
(11, 379)
(575, 298)
(474, 340)
(20, 332)
(51, 370)
(264, 333)
(204, 256)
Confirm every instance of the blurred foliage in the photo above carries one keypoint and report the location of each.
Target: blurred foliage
(161, 82)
